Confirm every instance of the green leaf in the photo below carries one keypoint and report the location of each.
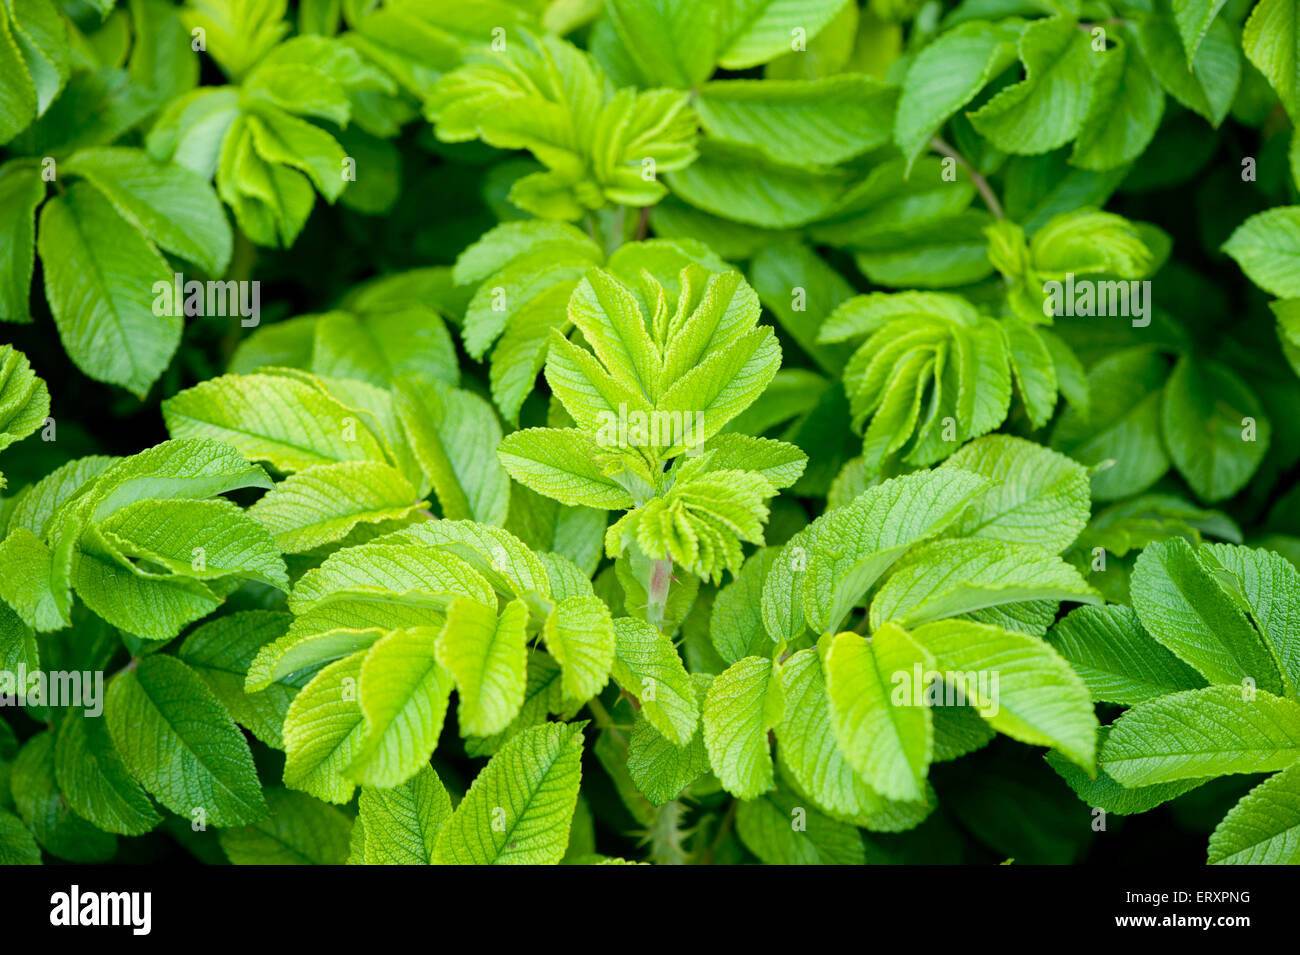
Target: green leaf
(1269, 585)
(205, 540)
(661, 769)
(1182, 604)
(286, 422)
(519, 808)
(559, 462)
(487, 656)
(95, 781)
(1048, 107)
(1034, 496)
(1127, 104)
(17, 844)
(1194, 18)
(1117, 658)
(811, 758)
(848, 549)
(946, 75)
(767, 826)
(579, 633)
(402, 823)
(323, 731)
(800, 122)
(1018, 683)
(1264, 827)
(947, 578)
(173, 206)
(740, 183)
(21, 191)
(1102, 792)
(1214, 427)
(403, 691)
(44, 808)
(1270, 42)
(191, 469)
(1208, 732)
(299, 831)
(100, 274)
(887, 736)
(743, 703)
(1267, 247)
(755, 31)
(647, 666)
(177, 739)
(671, 42)
(221, 651)
(455, 435)
(1209, 82)
(1122, 424)
(323, 504)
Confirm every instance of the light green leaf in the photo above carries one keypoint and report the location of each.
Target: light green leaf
(647, 666)
(952, 577)
(177, 739)
(1208, 732)
(1034, 496)
(519, 808)
(744, 702)
(401, 824)
(403, 691)
(325, 503)
(1271, 42)
(285, 421)
(173, 206)
(755, 31)
(946, 75)
(1117, 658)
(486, 654)
(1018, 683)
(886, 734)
(579, 633)
(1264, 827)
(801, 122)
(1209, 85)
(1047, 108)
(559, 462)
(455, 435)
(1267, 247)
(1182, 604)
(850, 548)
(323, 731)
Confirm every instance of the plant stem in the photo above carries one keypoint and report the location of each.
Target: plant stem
(642, 223)
(605, 721)
(981, 184)
(661, 578)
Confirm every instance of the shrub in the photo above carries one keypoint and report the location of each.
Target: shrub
(516, 431)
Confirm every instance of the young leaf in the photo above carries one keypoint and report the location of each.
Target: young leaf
(518, 810)
(177, 739)
(1207, 732)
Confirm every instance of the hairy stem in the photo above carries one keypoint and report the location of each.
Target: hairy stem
(661, 578)
(981, 184)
